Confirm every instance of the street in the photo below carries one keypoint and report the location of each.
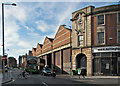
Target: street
(38, 80)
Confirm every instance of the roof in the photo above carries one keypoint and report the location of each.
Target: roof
(51, 39)
(40, 45)
(34, 49)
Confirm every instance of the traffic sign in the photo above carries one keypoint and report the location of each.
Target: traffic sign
(4, 58)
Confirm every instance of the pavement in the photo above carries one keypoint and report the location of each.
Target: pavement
(8, 77)
(87, 77)
(108, 80)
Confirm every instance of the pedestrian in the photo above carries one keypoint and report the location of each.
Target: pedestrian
(54, 74)
(23, 73)
(83, 72)
(79, 72)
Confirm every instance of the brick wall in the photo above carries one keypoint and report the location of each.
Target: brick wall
(47, 45)
(62, 37)
(66, 60)
(38, 50)
(111, 28)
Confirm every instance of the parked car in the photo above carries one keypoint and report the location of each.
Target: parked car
(46, 71)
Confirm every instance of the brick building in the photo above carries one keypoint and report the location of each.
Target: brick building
(56, 52)
(96, 43)
(34, 51)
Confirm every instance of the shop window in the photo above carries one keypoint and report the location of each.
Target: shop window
(100, 19)
(118, 36)
(80, 40)
(105, 54)
(100, 37)
(96, 54)
(114, 54)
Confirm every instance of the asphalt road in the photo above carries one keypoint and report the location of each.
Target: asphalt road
(38, 80)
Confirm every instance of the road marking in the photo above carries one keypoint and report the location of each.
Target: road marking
(44, 83)
(8, 82)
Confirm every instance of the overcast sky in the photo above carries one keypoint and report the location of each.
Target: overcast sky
(29, 23)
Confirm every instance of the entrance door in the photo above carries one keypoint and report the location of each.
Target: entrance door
(81, 60)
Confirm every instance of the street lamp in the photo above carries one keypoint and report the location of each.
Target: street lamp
(13, 4)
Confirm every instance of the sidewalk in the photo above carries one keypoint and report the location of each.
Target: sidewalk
(6, 79)
(87, 77)
(92, 79)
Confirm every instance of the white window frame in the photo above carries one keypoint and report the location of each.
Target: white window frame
(98, 19)
(102, 38)
(80, 42)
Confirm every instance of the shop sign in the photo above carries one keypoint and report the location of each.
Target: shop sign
(107, 49)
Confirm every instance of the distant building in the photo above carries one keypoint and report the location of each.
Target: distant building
(20, 59)
(30, 53)
(12, 62)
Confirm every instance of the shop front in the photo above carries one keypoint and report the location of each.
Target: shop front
(106, 60)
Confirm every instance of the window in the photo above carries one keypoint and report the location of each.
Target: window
(100, 37)
(80, 40)
(118, 36)
(100, 19)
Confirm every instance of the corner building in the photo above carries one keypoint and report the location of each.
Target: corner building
(96, 43)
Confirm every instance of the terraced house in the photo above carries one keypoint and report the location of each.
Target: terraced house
(96, 43)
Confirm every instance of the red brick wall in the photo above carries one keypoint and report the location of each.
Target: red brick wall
(57, 58)
(94, 34)
(38, 50)
(66, 60)
(111, 28)
(46, 45)
(62, 37)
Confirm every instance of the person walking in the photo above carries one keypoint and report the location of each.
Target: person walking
(83, 72)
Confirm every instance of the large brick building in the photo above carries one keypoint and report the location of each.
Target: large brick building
(96, 43)
(56, 52)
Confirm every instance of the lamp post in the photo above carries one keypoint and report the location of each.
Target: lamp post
(70, 53)
(13, 4)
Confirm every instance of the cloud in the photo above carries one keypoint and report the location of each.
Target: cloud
(29, 28)
(34, 34)
(24, 44)
(44, 26)
(17, 13)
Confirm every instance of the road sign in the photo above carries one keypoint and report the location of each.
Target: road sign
(4, 58)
